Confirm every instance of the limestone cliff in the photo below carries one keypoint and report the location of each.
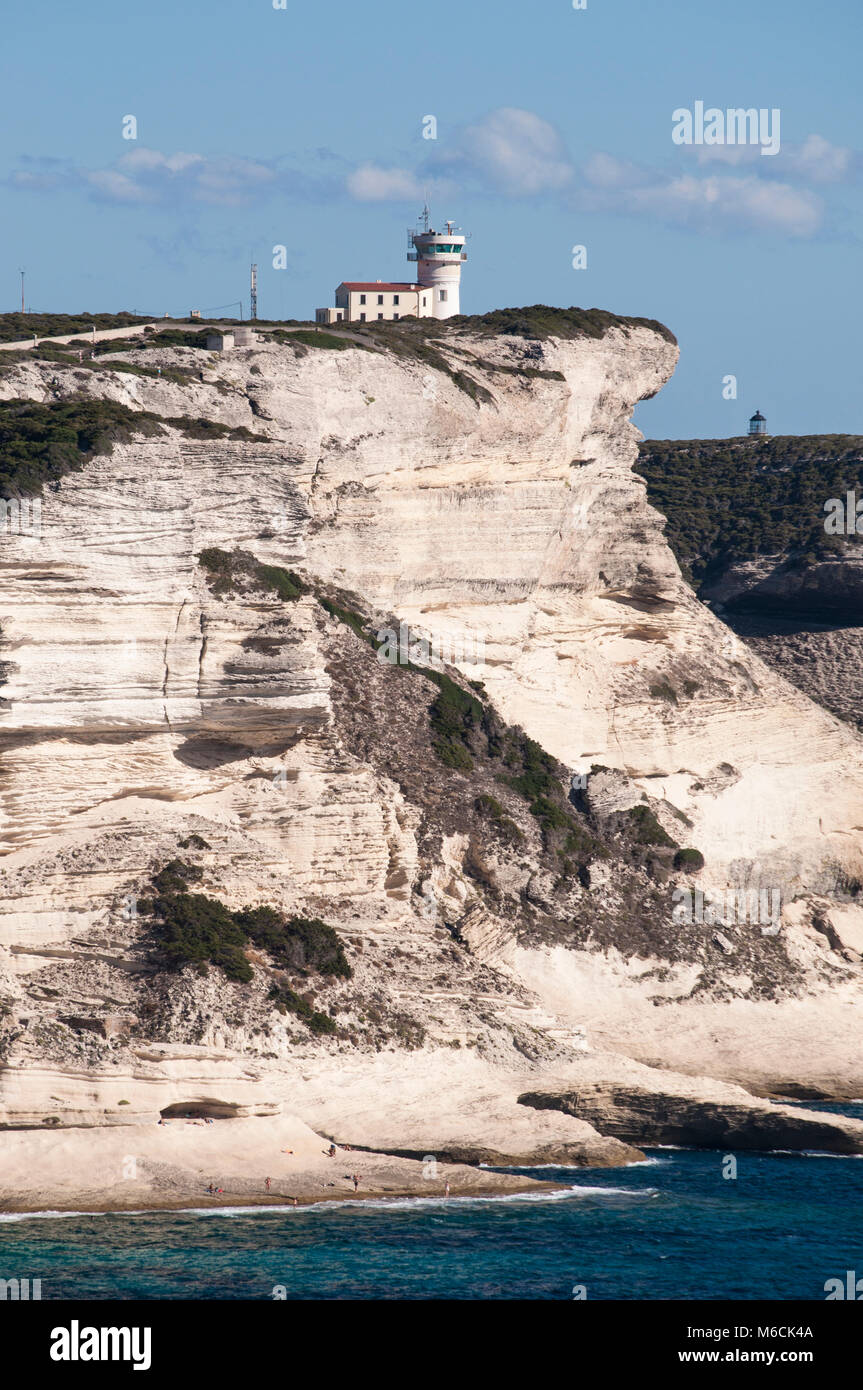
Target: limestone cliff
(481, 491)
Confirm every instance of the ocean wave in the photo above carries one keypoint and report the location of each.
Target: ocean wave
(49, 1215)
(808, 1153)
(361, 1203)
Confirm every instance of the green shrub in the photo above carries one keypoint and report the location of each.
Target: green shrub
(538, 776)
(304, 945)
(348, 617)
(197, 427)
(175, 876)
(454, 715)
(192, 928)
(237, 570)
(663, 691)
(287, 1000)
(550, 815)
(689, 860)
(285, 583)
(646, 829)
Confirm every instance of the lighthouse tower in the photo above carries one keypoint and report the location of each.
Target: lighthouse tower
(439, 257)
(757, 423)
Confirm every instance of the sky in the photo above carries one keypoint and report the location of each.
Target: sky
(267, 123)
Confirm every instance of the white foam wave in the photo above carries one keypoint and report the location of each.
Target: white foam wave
(361, 1203)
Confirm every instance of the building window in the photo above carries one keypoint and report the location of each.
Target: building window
(338, 318)
(395, 316)
(395, 299)
(443, 294)
(380, 299)
(362, 299)
(362, 318)
(425, 301)
(380, 316)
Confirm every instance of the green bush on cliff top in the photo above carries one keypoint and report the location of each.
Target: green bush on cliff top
(729, 500)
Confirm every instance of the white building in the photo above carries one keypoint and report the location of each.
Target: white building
(365, 301)
(435, 294)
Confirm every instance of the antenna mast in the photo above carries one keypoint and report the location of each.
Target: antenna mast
(253, 304)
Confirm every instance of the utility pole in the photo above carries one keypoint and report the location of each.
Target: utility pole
(21, 273)
(253, 304)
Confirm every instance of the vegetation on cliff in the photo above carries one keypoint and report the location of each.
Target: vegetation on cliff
(728, 500)
(16, 327)
(467, 735)
(41, 443)
(428, 340)
(237, 571)
(545, 321)
(192, 928)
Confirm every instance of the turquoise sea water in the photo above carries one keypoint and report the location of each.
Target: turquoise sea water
(673, 1227)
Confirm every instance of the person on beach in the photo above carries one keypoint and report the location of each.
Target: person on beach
(446, 1193)
(268, 1183)
(356, 1181)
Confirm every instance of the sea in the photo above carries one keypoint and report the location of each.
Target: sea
(684, 1224)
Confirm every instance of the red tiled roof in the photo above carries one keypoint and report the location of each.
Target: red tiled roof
(377, 285)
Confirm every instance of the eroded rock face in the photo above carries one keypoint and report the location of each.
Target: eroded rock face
(141, 705)
(517, 521)
(650, 1117)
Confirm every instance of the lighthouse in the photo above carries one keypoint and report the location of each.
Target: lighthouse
(757, 423)
(439, 257)
(433, 295)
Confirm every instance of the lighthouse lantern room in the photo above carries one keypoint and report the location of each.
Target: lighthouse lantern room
(757, 423)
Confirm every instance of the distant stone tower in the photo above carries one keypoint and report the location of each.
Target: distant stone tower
(439, 257)
(757, 423)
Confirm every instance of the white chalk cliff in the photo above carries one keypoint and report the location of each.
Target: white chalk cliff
(140, 707)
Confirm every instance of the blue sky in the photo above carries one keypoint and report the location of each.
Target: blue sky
(303, 126)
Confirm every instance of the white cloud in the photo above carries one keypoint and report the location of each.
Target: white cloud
(371, 183)
(141, 175)
(604, 171)
(144, 159)
(820, 161)
(718, 202)
(513, 151)
(117, 187)
(509, 152)
(815, 161)
(149, 175)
